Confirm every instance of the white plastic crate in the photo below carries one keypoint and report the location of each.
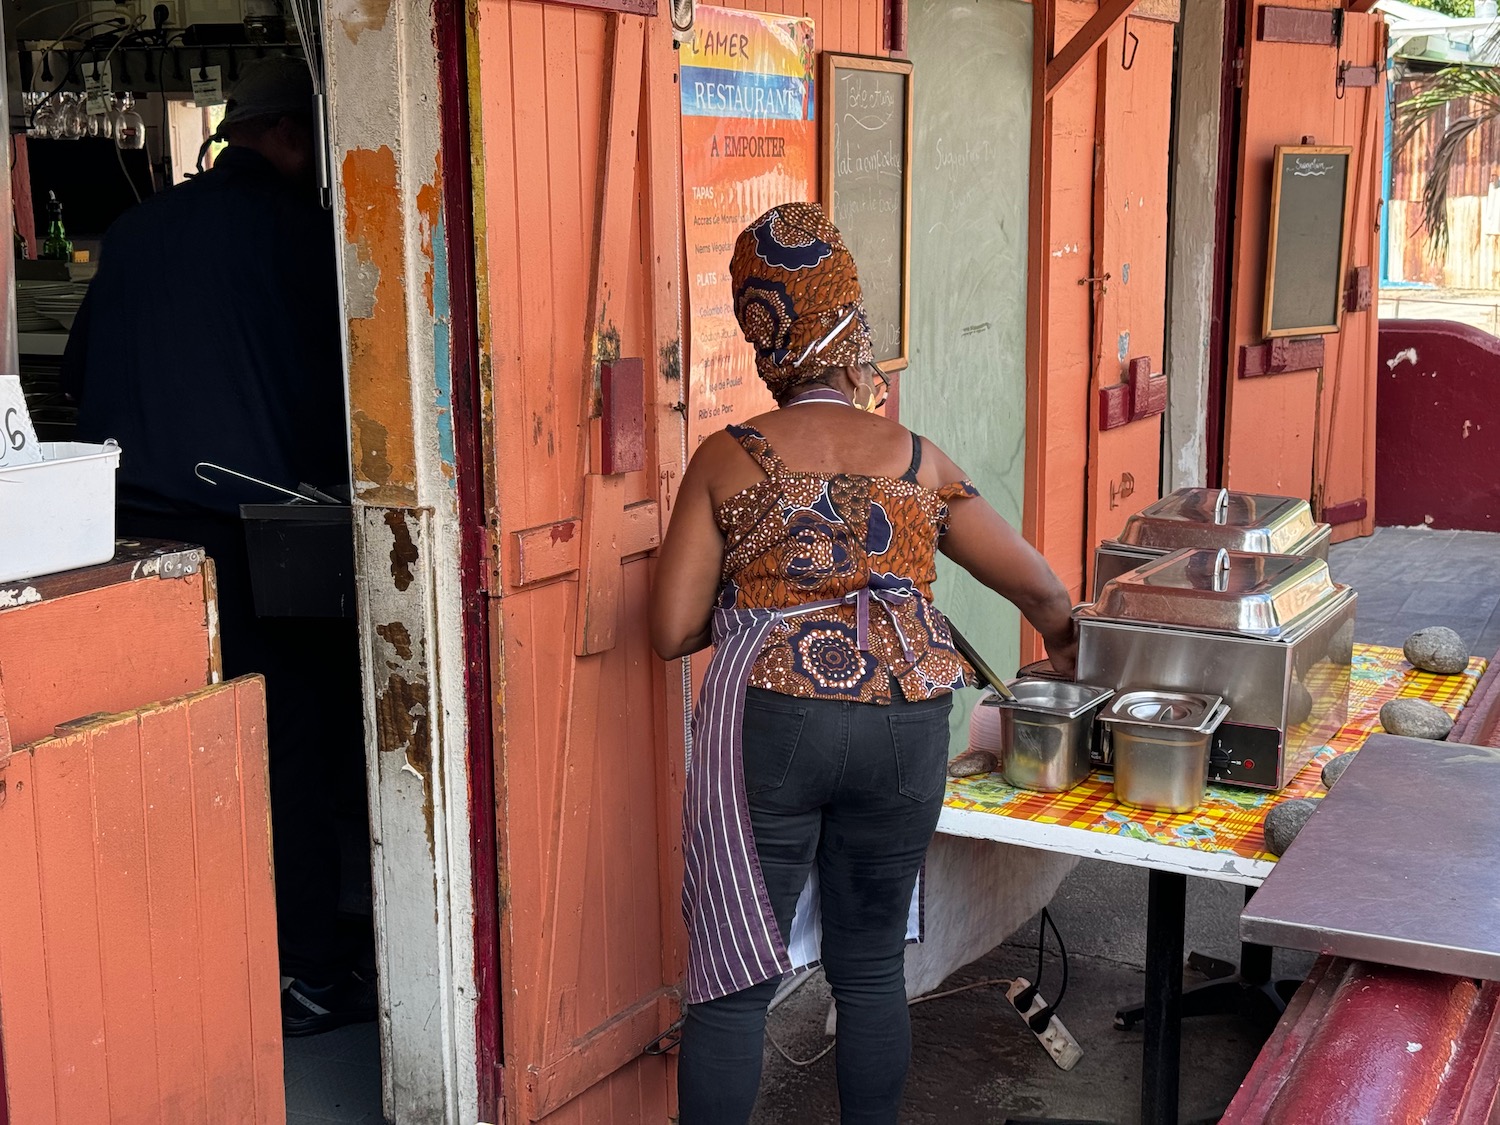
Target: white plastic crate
(58, 514)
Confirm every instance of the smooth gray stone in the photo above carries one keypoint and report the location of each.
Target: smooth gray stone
(1415, 718)
(973, 763)
(1437, 650)
(1334, 769)
(1284, 822)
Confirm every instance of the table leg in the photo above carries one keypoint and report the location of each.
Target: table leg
(1166, 910)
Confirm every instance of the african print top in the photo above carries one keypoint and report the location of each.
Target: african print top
(868, 543)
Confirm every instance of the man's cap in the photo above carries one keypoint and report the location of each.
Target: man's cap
(272, 87)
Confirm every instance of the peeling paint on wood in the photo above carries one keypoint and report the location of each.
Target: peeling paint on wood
(379, 352)
(395, 634)
(403, 550)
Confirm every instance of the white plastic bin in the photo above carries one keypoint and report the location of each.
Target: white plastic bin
(59, 513)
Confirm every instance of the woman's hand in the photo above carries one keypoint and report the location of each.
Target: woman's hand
(1062, 651)
(686, 582)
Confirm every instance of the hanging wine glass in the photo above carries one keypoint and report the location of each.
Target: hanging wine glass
(102, 123)
(130, 127)
(42, 115)
(73, 118)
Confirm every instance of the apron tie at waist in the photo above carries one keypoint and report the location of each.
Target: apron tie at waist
(887, 600)
(860, 599)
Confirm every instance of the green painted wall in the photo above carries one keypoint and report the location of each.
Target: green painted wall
(966, 387)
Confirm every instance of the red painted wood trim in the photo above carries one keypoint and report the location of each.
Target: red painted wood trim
(625, 7)
(622, 386)
(1148, 392)
(469, 427)
(1350, 511)
(1039, 232)
(1359, 290)
(1359, 1021)
(1085, 40)
(1114, 406)
(1235, 16)
(1277, 357)
(1296, 25)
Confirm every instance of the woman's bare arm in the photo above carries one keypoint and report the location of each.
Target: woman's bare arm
(687, 570)
(983, 543)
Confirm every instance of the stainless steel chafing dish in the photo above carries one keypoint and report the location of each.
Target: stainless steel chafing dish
(1211, 518)
(1272, 634)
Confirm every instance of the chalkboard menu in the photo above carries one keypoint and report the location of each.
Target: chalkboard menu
(867, 112)
(1309, 237)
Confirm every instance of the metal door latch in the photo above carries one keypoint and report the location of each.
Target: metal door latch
(666, 1041)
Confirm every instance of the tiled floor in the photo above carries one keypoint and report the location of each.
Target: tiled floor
(334, 1077)
(1410, 578)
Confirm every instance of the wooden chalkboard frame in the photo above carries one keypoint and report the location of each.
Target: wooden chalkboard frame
(832, 63)
(1337, 282)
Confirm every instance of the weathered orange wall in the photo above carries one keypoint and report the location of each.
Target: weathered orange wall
(1106, 208)
(1305, 433)
(591, 746)
(132, 990)
(110, 645)
(1130, 230)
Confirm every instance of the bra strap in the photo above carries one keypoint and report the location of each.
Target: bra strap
(916, 460)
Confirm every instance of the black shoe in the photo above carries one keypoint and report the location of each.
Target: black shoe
(306, 1010)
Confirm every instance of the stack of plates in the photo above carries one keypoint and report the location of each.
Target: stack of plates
(28, 317)
(57, 302)
(984, 726)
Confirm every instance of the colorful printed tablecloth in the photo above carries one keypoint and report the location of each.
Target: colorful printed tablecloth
(1230, 820)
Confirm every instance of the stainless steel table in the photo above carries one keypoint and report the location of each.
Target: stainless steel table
(1398, 867)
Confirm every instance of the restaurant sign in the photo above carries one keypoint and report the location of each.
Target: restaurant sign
(748, 143)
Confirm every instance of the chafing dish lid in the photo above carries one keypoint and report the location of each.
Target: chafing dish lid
(1175, 709)
(1064, 699)
(1216, 517)
(1217, 591)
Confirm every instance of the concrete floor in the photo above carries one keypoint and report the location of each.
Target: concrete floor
(1478, 308)
(974, 1063)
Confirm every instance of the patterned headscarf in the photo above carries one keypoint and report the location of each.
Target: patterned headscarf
(795, 281)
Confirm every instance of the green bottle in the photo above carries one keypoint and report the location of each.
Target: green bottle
(57, 247)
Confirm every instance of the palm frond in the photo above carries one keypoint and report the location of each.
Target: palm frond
(1435, 191)
(1480, 85)
(1474, 92)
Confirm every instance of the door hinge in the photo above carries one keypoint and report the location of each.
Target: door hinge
(490, 582)
(1239, 68)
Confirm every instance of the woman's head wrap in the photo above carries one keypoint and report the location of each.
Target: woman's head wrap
(794, 284)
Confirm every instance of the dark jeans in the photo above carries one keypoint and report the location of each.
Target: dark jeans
(314, 728)
(855, 788)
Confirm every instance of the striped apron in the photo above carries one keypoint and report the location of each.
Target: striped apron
(733, 939)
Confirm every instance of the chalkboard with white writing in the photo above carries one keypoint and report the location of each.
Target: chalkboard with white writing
(1309, 240)
(867, 113)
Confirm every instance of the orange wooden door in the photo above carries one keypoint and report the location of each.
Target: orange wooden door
(138, 968)
(1302, 424)
(1129, 278)
(579, 245)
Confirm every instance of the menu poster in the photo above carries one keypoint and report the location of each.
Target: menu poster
(749, 143)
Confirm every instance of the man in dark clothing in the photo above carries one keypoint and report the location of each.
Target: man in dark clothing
(211, 333)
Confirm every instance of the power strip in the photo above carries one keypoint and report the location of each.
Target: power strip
(1055, 1039)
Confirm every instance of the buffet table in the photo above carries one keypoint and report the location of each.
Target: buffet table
(1220, 840)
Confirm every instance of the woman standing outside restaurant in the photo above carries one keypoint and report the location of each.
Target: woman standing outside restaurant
(802, 547)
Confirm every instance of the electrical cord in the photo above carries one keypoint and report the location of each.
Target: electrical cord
(1042, 1017)
(913, 1002)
